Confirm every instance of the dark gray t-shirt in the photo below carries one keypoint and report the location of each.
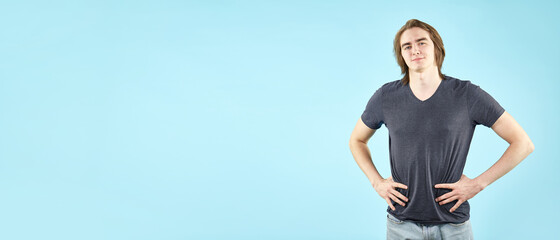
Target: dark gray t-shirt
(429, 142)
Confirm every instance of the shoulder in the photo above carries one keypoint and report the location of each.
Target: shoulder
(391, 87)
(459, 85)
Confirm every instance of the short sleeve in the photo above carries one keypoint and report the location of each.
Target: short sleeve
(373, 114)
(483, 108)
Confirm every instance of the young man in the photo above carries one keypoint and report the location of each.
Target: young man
(431, 118)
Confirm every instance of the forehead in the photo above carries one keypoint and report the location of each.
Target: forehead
(410, 35)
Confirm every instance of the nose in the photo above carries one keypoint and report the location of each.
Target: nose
(415, 50)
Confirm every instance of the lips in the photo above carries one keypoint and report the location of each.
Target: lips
(417, 59)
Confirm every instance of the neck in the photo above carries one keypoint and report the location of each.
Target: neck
(426, 78)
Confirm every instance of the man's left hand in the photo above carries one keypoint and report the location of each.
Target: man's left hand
(463, 190)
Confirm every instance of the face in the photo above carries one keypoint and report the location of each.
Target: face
(417, 49)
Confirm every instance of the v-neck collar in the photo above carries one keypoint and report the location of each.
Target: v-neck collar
(409, 90)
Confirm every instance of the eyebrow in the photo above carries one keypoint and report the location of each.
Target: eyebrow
(417, 40)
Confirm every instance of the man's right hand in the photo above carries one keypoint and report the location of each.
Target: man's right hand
(386, 189)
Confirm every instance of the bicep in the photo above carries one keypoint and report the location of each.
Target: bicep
(508, 129)
(361, 132)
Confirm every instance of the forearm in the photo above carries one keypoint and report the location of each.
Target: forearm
(362, 155)
(514, 154)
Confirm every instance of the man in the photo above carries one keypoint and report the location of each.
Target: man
(431, 118)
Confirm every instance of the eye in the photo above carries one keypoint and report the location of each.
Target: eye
(405, 48)
(422, 43)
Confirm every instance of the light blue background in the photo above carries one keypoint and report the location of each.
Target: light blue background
(231, 119)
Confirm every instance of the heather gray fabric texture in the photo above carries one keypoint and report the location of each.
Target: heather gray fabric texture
(429, 142)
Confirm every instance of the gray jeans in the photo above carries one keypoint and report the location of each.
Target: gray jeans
(398, 229)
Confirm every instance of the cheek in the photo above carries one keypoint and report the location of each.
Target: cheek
(406, 54)
(431, 51)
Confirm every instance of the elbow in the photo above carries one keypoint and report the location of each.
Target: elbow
(531, 146)
(353, 142)
(528, 145)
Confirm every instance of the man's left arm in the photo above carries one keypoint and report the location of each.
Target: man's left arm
(520, 146)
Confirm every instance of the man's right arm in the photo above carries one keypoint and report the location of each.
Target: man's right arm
(358, 146)
(384, 187)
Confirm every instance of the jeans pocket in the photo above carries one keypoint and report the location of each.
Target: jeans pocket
(393, 219)
(458, 224)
